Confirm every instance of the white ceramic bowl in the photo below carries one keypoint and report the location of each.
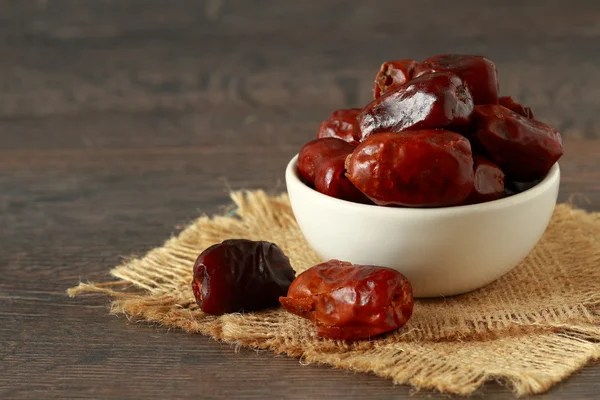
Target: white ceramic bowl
(442, 251)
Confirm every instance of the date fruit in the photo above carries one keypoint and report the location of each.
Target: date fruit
(241, 274)
(511, 104)
(488, 181)
(525, 149)
(392, 74)
(436, 134)
(316, 151)
(341, 125)
(430, 168)
(429, 102)
(331, 180)
(478, 74)
(350, 302)
(322, 164)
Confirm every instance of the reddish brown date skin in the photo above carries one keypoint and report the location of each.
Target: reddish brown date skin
(321, 163)
(525, 149)
(331, 180)
(392, 74)
(520, 109)
(351, 302)
(429, 102)
(488, 181)
(316, 151)
(241, 274)
(340, 125)
(478, 73)
(431, 168)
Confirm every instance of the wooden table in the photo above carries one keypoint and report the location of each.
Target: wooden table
(120, 121)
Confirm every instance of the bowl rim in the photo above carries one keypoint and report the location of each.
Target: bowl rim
(550, 180)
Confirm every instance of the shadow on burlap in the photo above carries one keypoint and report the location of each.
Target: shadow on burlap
(530, 329)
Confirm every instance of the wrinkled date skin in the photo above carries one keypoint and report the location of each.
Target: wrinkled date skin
(240, 274)
(512, 105)
(351, 302)
(429, 102)
(525, 149)
(478, 73)
(392, 74)
(488, 181)
(340, 125)
(322, 164)
(430, 168)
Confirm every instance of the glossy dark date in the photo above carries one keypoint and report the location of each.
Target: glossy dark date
(392, 74)
(322, 164)
(488, 181)
(525, 149)
(477, 73)
(340, 125)
(316, 151)
(520, 109)
(430, 168)
(508, 150)
(351, 302)
(429, 102)
(240, 274)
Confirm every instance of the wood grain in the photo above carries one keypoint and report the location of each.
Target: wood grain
(120, 121)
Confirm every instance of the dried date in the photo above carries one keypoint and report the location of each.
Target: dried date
(477, 73)
(430, 168)
(322, 164)
(511, 104)
(331, 180)
(340, 125)
(241, 274)
(429, 102)
(392, 74)
(350, 302)
(525, 149)
(488, 181)
(316, 151)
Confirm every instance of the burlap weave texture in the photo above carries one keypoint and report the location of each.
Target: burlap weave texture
(530, 329)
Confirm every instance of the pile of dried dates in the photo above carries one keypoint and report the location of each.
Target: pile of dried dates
(344, 301)
(436, 134)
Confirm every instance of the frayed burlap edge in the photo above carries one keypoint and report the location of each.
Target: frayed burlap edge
(527, 339)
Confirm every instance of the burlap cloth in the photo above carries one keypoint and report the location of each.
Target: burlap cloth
(530, 329)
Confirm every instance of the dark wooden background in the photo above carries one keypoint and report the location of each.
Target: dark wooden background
(120, 121)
